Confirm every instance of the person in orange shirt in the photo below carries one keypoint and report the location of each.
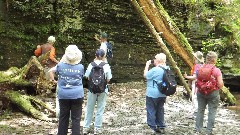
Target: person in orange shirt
(42, 49)
(51, 61)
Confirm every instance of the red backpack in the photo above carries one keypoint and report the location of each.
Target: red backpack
(206, 82)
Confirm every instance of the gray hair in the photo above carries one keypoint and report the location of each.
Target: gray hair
(51, 39)
(211, 57)
(161, 57)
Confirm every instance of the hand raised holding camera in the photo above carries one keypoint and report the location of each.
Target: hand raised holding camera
(152, 61)
(148, 62)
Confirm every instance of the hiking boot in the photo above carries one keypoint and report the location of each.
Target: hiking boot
(97, 131)
(86, 131)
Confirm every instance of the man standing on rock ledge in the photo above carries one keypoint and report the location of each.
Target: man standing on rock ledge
(154, 98)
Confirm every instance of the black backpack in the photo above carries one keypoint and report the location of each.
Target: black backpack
(169, 85)
(109, 50)
(97, 81)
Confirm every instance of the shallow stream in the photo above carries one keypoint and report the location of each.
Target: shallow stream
(236, 108)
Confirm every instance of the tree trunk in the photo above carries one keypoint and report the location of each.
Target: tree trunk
(164, 25)
(159, 22)
(31, 75)
(161, 43)
(25, 103)
(227, 96)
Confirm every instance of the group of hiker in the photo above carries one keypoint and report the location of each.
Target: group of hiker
(70, 93)
(205, 79)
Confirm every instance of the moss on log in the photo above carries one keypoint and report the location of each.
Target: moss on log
(25, 103)
(161, 44)
(163, 24)
(227, 96)
(31, 75)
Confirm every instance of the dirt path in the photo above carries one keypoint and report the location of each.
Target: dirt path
(125, 114)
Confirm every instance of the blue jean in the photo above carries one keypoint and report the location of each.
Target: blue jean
(212, 100)
(75, 107)
(155, 112)
(92, 99)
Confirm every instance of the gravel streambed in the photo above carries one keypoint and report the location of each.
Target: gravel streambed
(125, 114)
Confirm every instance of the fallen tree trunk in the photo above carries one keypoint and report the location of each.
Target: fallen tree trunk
(32, 76)
(227, 96)
(161, 44)
(163, 24)
(158, 22)
(28, 104)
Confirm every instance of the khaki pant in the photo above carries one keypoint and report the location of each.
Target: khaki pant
(47, 74)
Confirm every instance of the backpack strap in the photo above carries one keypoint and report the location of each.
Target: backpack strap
(102, 64)
(162, 68)
(93, 64)
(212, 68)
(154, 81)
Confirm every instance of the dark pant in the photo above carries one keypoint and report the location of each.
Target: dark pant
(155, 112)
(75, 107)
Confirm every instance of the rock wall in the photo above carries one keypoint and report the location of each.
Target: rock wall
(25, 24)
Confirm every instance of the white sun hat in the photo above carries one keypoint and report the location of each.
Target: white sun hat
(72, 55)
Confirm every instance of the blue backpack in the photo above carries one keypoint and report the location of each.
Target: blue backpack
(109, 50)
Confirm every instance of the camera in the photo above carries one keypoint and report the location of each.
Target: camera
(152, 61)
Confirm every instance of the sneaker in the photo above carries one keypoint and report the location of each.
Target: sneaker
(209, 134)
(97, 131)
(191, 117)
(162, 130)
(86, 131)
(197, 133)
(154, 132)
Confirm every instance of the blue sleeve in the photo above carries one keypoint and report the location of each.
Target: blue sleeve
(151, 74)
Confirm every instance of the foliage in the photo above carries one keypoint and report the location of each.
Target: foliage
(25, 24)
(5, 114)
(229, 21)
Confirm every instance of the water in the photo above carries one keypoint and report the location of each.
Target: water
(236, 108)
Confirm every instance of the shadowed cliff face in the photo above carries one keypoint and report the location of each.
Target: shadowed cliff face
(24, 25)
(27, 24)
